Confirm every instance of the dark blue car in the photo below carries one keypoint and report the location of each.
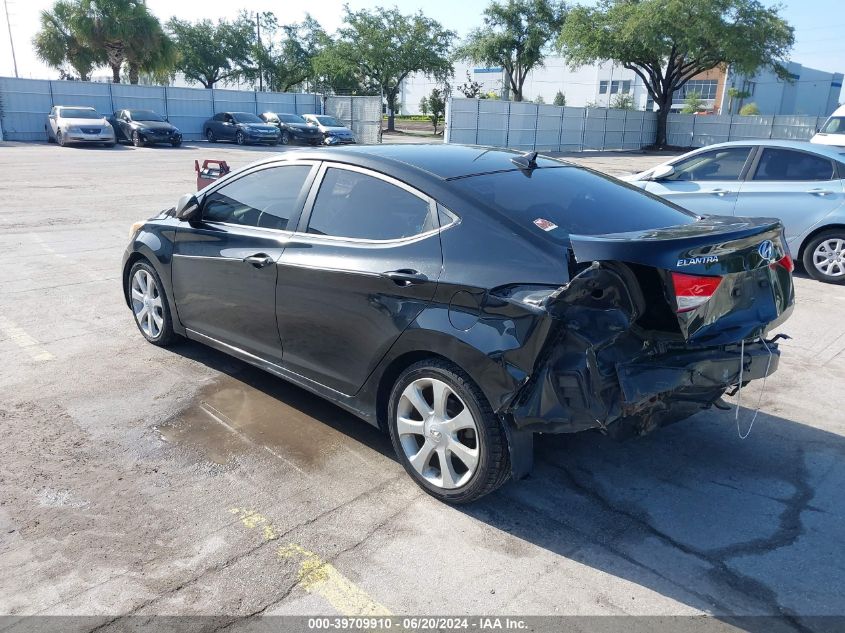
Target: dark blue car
(240, 127)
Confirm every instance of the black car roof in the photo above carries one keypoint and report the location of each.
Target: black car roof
(445, 161)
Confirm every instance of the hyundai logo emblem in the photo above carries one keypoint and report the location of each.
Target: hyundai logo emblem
(767, 250)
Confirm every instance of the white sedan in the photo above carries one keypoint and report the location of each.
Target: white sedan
(801, 184)
(78, 124)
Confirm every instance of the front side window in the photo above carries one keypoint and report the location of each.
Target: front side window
(354, 205)
(834, 125)
(265, 198)
(785, 164)
(719, 164)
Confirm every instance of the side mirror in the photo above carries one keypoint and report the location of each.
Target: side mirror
(661, 172)
(188, 208)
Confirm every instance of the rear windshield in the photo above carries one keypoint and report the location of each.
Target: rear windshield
(291, 118)
(834, 125)
(246, 117)
(79, 113)
(564, 200)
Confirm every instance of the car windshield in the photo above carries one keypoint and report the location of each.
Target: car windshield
(291, 118)
(329, 121)
(145, 115)
(79, 113)
(834, 125)
(568, 200)
(246, 117)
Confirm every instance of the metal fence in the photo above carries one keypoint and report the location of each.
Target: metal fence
(361, 114)
(529, 126)
(25, 103)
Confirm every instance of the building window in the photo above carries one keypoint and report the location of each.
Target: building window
(603, 87)
(706, 89)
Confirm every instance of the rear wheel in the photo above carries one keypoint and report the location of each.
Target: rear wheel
(445, 434)
(824, 257)
(175, 143)
(240, 139)
(209, 136)
(149, 305)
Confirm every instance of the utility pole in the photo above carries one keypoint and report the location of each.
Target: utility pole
(258, 30)
(11, 41)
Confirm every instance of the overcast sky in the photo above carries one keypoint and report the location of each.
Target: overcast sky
(819, 24)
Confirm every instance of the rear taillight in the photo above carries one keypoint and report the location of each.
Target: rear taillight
(786, 262)
(692, 291)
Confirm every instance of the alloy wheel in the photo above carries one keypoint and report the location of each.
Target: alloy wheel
(136, 139)
(239, 138)
(285, 138)
(829, 257)
(438, 433)
(147, 303)
(60, 138)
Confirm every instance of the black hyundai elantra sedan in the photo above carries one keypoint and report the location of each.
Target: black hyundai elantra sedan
(465, 299)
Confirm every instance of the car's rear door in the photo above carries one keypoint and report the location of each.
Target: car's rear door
(798, 187)
(224, 266)
(363, 265)
(707, 182)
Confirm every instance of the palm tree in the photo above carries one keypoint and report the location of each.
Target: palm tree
(59, 45)
(149, 50)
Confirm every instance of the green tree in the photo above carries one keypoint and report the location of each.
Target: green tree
(514, 36)
(150, 51)
(424, 106)
(379, 48)
(58, 44)
(622, 101)
(539, 100)
(736, 94)
(210, 52)
(749, 109)
(284, 56)
(692, 103)
(560, 99)
(471, 89)
(437, 106)
(667, 42)
(108, 27)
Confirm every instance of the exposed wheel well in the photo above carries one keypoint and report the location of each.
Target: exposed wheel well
(809, 238)
(134, 257)
(391, 373)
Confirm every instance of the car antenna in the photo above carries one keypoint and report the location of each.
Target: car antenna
(526, 161)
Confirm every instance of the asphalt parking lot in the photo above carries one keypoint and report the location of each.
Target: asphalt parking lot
(138, 480)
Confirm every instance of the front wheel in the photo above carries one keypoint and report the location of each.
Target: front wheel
(137, 139)
(60, 138)
(149, 305)
(445, 433)
(175, 143)
(824, 257)
(285, 138)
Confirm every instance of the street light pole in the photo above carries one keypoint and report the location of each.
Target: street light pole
(260, 46)
(11, 41)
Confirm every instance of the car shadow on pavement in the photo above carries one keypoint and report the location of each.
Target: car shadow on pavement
(742, 529)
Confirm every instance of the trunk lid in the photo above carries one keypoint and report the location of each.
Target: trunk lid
(716, 281)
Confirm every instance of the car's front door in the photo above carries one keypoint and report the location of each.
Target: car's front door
(227, 127)
(799, 188)
(707, 182)
(124, 123)
(363, 265)
(224, 265)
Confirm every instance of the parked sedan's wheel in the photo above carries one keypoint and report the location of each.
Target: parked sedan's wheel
(209, 136)
(149, 305)
(60, 138)
(445, 433)
(824, 257)
(137, 139)
(240, 139)
(285, 140)
(176, 143)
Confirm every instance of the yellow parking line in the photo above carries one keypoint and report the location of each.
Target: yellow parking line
(316, 575)
(23, 340)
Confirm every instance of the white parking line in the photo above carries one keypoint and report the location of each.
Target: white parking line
(23, 340)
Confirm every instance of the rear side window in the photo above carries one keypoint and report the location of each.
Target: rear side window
(355, 205)
(265, 198)
(720, 164)
(558, 201)
(785, 164)
(834, 125)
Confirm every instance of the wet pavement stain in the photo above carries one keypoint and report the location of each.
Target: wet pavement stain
(236, 415)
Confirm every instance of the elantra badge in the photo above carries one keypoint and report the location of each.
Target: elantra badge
(691, 261)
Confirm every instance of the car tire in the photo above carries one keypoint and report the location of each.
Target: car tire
(475, 446)
(209, 136)
(824, 257)
(137, 139)
(175, 143)
(240, 139)
(50, 139)
(149, 304)
(285, 138)
(60, 138)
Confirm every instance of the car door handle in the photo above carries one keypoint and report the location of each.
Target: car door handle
(721, 192)
(259, 260)
(405, 277)
(820, 192)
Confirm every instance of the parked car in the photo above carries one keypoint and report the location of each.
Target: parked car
(68, 125)
(240, 127)
(293, 128)
(833, 130)
(465, 298)
(144, 127)
(801, 184)
(334, 132)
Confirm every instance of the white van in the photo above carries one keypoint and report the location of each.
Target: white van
(833, 130)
